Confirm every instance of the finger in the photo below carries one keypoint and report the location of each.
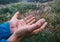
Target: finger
(31, 19)
(16, 14)
(40, 29)
(40, 22)
(28, 17)
(37, 25)
(32, 22)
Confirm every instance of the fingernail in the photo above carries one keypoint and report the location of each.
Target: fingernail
(42, 20)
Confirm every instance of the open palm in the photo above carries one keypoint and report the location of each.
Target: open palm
(14, 21)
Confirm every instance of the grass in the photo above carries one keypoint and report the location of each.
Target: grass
(50, 34)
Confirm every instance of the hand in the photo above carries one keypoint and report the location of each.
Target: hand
(33, 29)
(26, 21)
(28, 30)
(14, 21)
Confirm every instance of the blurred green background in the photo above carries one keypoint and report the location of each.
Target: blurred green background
(52, 14)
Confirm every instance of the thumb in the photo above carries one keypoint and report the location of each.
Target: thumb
(16, 14)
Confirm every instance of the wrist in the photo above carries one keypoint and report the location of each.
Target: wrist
(14, 38)
(11, 27)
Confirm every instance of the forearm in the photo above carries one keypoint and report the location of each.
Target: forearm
(14, 38)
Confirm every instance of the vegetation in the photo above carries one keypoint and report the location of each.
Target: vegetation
(14, 1)
(8, 10)
(51, 33)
